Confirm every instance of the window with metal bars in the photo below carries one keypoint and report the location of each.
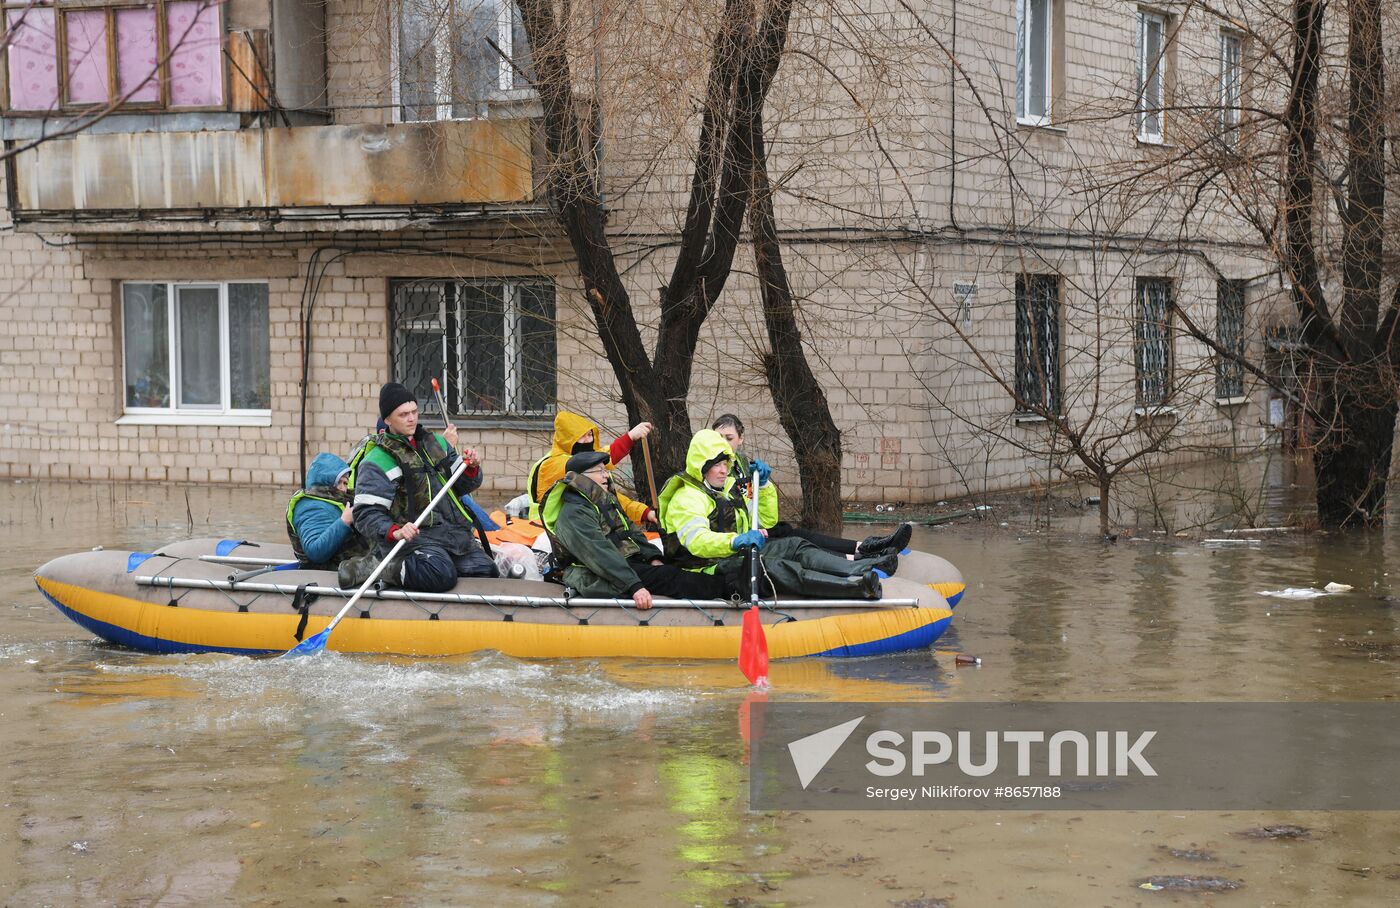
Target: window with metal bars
(1229, 333)
(1152, 341)
(489, 343)
(1038, 343)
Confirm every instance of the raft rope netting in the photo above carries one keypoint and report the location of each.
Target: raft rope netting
(309, 593)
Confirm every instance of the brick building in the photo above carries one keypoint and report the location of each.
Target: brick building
(366, 177)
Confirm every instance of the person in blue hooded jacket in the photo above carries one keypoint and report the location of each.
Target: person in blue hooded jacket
(320, 519)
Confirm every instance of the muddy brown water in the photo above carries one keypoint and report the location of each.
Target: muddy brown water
(130, 779)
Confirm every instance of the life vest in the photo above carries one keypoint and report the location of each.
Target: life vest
(415, 491)
(619, 530)
(354, 544)
(723, 519)
(532, 486)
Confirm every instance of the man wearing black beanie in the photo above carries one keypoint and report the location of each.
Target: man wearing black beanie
(400, 472)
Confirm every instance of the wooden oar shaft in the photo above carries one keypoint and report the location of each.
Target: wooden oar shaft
(651, 479)
(379, 568)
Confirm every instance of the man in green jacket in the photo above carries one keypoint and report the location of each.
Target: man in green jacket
(603, 553)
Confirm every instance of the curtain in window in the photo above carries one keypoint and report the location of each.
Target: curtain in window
(146, 345)
(249, 360)
(197, 332)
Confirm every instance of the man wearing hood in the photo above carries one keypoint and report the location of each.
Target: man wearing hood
(398, 474)
(574, 434)
(704, 526)
(320, 518)
(603, 553)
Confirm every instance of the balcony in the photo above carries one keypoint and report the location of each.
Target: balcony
(320, 176)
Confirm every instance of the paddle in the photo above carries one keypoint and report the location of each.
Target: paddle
(651, 479)
(317, 642)
(753, 525)
(753, 644)
(442, 404)
(753, 649)
(475, 521)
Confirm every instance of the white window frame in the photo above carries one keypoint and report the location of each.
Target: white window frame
(442, 53)
(1147, 69)
(203, 414)
(1231, 84)
(1024, 30)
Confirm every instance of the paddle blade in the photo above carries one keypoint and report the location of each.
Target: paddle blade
(311, 646)
(753, 649)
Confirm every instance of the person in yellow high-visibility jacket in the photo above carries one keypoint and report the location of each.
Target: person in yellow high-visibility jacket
(574, 434)
(703, 528)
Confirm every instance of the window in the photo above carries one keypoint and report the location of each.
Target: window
(1152, 341)
(447, 65)
(1034, 53)
(490, 343)
(1229, 334)
(198, 349)
(1151, 72)
(1038, 342)
(1230, 86)
(167, 53)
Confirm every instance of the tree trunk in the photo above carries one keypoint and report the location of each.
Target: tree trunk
(1105, 486)
(797, 396)
(1351, 450)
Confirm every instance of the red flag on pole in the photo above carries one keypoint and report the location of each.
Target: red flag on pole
(753, 650)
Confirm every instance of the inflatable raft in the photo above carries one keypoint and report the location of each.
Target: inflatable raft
(197, 596)
(937, 573)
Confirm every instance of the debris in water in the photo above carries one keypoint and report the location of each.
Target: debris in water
(79, 846)
(1189, 884)
(1277, 832)
(1189, 854)
(1304, 592)
(1337, 587)
(967, 659)
(921, 902)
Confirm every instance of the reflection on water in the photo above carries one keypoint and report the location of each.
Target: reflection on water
(195, 780)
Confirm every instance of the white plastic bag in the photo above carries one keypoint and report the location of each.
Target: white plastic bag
(517, 561)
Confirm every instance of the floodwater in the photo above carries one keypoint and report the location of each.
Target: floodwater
(130, 779)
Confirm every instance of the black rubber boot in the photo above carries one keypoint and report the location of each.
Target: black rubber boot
(830, 586)
(889, 564)
(895, 542)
